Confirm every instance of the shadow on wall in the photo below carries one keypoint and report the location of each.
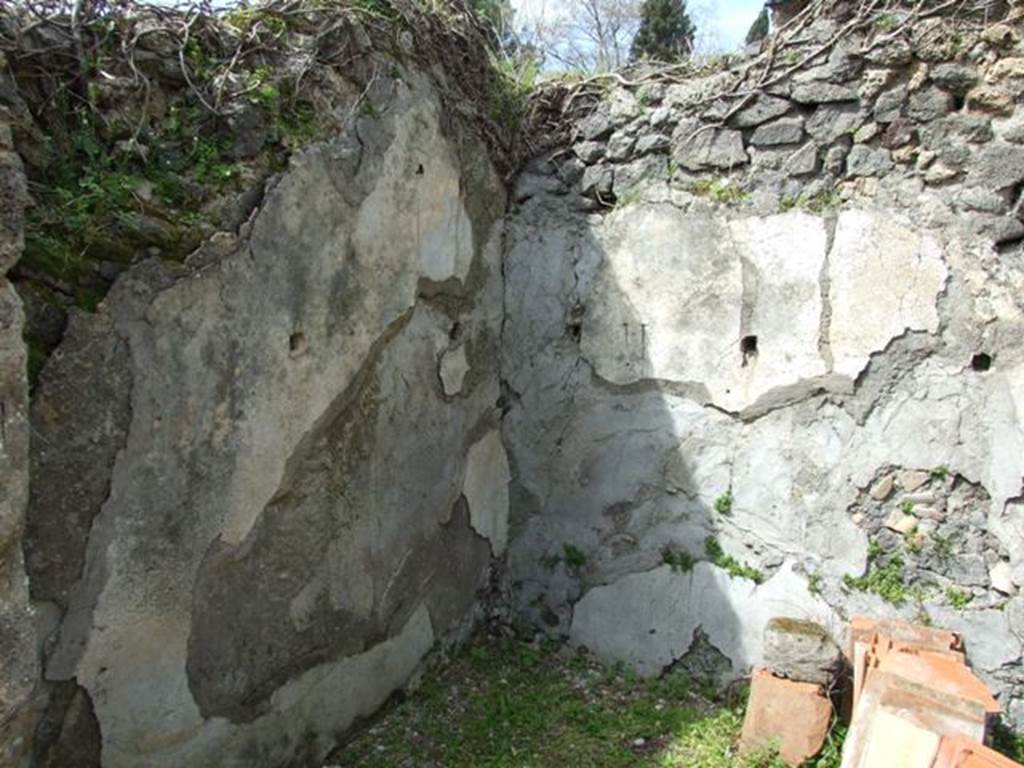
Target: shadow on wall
(292, 496)
(631, 344)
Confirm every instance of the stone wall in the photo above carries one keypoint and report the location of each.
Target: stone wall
(762, 352)
(751, 344)
(267, 481)
(17, 630)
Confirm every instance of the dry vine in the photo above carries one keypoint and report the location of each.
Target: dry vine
(57, 47)
(61, 44)
(753, 75)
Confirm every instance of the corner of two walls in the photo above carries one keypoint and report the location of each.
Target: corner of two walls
(691, 381)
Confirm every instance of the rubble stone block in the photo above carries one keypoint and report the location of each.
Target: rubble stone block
(800, 650)
(762, 109)
(790, 716)
(699, 147)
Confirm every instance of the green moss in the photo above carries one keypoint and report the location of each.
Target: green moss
(793, 626)
(380, 8)
(507, 97)
(295, 124)
(116, 189)
(250, 19)
(92, 205)
(886, 22)
(88, 299)
(823, 202)
(261, 90)
(550, 561)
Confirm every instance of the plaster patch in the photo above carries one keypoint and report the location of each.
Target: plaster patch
(486, 489)
(735, 306)
(666, 300)
(782, 261)
(647, 620)
(453, 369)
(885, 280)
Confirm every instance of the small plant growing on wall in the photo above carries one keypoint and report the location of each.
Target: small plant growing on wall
(886, 580)
(679, 560)
(717, 556)
(814, 583)
(958, 598)
(550, 561)
(942, 546)
(723, 504)
(575, 558)
(914, 542)
(724, 192)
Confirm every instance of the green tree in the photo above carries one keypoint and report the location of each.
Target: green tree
(497, 14)
(759, 29)
(666, 31)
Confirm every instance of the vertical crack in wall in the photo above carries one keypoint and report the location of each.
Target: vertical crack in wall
(825, 281)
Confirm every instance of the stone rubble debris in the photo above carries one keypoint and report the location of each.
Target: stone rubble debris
(734, 323)
(801, 650)
(916, 703)
(789, 715)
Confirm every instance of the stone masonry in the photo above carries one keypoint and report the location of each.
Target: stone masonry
(762, 350)
(747, 345)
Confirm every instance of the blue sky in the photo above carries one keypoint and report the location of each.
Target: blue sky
(734, 17)
(726, 20)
